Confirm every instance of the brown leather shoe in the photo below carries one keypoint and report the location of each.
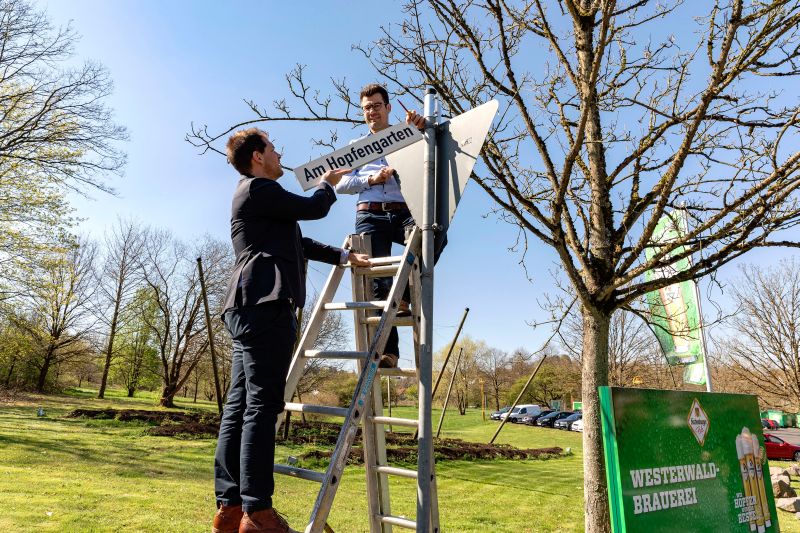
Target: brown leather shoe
(404, 309)
(264, 521)
(227, 519)
(388, 360)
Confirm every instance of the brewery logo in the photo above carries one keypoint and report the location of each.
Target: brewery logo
(698, 422)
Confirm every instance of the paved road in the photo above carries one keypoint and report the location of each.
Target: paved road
(790, 435)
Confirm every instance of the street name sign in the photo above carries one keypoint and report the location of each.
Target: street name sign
(679, 461)
(358, 153)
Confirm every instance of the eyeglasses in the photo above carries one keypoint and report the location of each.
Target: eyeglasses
(372, 107)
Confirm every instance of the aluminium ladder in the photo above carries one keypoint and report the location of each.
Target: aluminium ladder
(373, 321)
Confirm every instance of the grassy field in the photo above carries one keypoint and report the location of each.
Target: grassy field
(79, 475)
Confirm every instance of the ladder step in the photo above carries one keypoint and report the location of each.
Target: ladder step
(334, 354)
(302, 473)
(388, 260)
(379, 271)
(394, 471)
(343, 306)
(316, 409)
(398, 521)
(399, 372)
(398, 321)
(394, 421)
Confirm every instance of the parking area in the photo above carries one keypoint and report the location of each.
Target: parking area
(790, 435)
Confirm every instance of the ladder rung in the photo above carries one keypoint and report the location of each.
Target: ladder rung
(334, 354)
(401, 372)
(379, 271)
(394, 471)
(316, 409)
(398, 321)
(393, 421)
(398, 521)
(302, 473)
(343, 306)
(389, 260)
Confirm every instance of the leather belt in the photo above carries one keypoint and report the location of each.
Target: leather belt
(381, 206)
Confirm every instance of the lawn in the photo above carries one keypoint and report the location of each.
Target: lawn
(79, 475)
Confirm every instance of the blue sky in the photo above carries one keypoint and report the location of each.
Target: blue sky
(177, 62)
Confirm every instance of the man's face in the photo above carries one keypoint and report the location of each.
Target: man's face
(268, 161)
(376, 112)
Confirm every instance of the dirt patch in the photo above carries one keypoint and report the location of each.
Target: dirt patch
(399, 446)
(11, 395)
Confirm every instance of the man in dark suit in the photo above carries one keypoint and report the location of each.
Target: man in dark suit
(266, 286)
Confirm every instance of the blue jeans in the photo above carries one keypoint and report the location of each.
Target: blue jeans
(263, 339)
(384, 228)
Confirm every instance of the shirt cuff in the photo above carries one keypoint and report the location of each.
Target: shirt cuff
(344, 255)
(323, 184)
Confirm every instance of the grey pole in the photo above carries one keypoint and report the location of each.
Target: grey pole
(424, 440)
(449, 389)
(210, 333)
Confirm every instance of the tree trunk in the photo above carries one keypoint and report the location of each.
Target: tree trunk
(131, 390)
(10, 372)
(594, 374)
(168, 396)
(43, 372)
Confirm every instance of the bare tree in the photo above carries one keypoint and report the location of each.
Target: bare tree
(169, 271)
(58, 313)
(605, 126)
(764, 347)
(117, 282)
(493, 368)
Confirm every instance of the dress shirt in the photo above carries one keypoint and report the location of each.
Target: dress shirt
(357, 183)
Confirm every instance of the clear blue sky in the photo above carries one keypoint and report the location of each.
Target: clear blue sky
(179, 61)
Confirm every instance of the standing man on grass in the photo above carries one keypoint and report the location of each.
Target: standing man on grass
(381, 211)
(265, 288)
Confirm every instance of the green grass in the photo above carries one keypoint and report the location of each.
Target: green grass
(79, 475)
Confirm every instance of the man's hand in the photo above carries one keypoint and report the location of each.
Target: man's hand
(415, 119)
(383, 174)
(361, 260)
(334, 176)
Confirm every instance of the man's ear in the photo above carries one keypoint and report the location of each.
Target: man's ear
(388, 108)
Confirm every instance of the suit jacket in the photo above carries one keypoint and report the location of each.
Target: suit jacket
(270, 249)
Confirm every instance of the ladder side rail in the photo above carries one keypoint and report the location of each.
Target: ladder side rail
(362, 291)
(311, 332)
(366, 381)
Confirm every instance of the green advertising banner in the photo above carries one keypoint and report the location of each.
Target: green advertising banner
(685, 461)
(675, 309)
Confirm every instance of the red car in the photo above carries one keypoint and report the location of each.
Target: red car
(769, 424)
(780, 449)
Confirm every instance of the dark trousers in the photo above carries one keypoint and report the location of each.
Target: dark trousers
(384, 228)
(263, 338)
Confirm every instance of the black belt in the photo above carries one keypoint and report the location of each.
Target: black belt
(381, 206)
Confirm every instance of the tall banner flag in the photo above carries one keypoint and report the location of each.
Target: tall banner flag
(675, 309)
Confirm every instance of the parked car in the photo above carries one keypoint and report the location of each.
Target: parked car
(531, 419)
(771, 424)
(549, 420)
(765, 423)
(566, 423)
(521, 411)
(577, 425)
(496, 415)
(778, 448)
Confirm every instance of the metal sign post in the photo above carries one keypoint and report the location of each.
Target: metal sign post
(424, 439)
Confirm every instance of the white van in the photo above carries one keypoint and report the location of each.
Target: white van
(520, 411)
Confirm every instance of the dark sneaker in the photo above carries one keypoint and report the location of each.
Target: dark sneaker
(265, 521)
(227, 519)
(388, 360)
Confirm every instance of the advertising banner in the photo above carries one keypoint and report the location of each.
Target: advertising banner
(675, 309)
(685, 461)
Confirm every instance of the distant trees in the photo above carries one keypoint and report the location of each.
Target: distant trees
(763, 347)
(56, 133)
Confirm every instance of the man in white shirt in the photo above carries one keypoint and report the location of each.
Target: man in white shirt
(381, 211)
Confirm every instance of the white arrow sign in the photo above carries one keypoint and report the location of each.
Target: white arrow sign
(359, 153)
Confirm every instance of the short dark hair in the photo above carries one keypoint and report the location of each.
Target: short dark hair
(240, 148)
(375, 88)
